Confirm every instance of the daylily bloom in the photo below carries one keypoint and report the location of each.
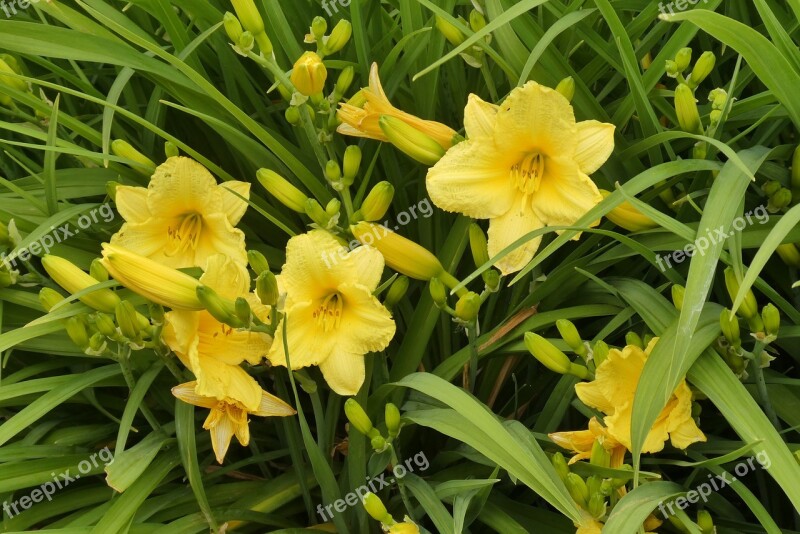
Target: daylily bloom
(582, 441)
(360, 116)
(333, 318)
(612, 392)
(525, 165)
(183, 217)
(212, 350)
(228, 416)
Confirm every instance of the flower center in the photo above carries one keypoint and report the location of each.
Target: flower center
(185, 235)
(528, 173)
(329, 313)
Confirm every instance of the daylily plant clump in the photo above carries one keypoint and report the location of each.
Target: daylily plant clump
(560, 387)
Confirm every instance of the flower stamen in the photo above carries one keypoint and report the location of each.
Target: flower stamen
(186, 235)
(528, 173)
(329, 313)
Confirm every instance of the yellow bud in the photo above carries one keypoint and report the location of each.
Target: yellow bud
(357, 416)
(249, 16)
(401, 254)
(344, 81)
(375, 508)
(772, 319)
(105, 325)
(49, 298)
(309, 74)
(678, 292)
(569, 334)
(232, 27)
(406, 527)
(257, 261)
(438, 292)
(10, 81)
(143, 164)
(412, 142)
(396, 292)
(789, 254)
(703, 67)
(686, 108)
(162, 285)
(468, 306)
(627, 217)
(392, 418)
(478, 245)
(318, 28)
(76, 330)
(73, 279)
(351, 163)
(378, 201)
(705, 522)
(339, 37)
(97, 271)
(282, 190)
(749, 306)
(567, 87)
(454, 35)
(127, 320)
(551, 357)
(683, 58)
(267, 288)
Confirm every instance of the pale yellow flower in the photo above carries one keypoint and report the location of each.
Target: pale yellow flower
(525, 165)
(333, 317)
(212, 350)
(612, 392)
(183, 217)
(360, 116)
(229, 417)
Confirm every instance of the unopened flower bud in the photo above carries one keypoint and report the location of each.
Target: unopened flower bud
(749, 307)
(111, 189)
(476, 20)
(396, 292)
(351, 163)
(317, 213)
(551, 357)
(97, 271)
(332, 171)
(292, 115)
(339, 37)
(567, 87)
(683, 58)
(267, 288)
(248, 15)
(49, 298)
(375, 508)
(97, 344)
(257, 261)
(392, 418)
(318, 28)
(478, 244)
(142, 164)
(730, 327)
(770, 187)
(468, 306)
(678, 292)
(600, 456)
(105, 325)
(246, 43)
(702, 69)
(632, 338)
(569, 334)
(73, 279)
(412, 142)
(127, 320)
(219, 308)
(779, 200)
(401, 254)
(597, 505)
(560, 465)
(718, 98)
(671, 68)
(309, 74)
(491, 278)
(7, 77)
(771, 318)
(790, 254)
(171, 150)
(705, 522)
(232, 27)
(76, 330)
(345, 80)
(333, 207)
(599, 352)
(578, 490)
(378, 443)
(454, 35)
(628, 217)
(438, 292)
(243, 311)
(686, 108)
(378, 201)
(282, 190)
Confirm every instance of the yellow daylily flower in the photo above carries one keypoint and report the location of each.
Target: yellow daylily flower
(229, 417)
(360, 116)
(333, 317)
(582, 441)
(183, 217)
(525, 165)
(213, 350)
(612, 392)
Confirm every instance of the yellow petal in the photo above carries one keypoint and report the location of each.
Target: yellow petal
(228, 278)
(186, 392)
(535, 118)
(591, 394)
(577, 441)
(229, 345)
(375, 81)
(132, 203)
(221, 435)
(308, 344)
(181, 332)
(619, 427)
(618, 375)
(595, 145)
(180, 186)
(473, 178)
(366, 324)
(219, 237)
(506, 229)
(479, 117)
(225, 382)
(565, 194)
(344, 372)
(147, 238)
(242, 432)
(683, 430)
(272, 406)
(232, 205)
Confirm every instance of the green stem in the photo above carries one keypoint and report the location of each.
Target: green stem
(400, 485)
(451, 281)
(761, 384)
(472, 336)
(123, 357)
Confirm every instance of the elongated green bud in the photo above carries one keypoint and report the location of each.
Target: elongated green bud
(779, 200)
(749, 306)
(468, 306)
(318, 28)
(222, 310)
(105, 325)
(76, 330)
(267, 288)
(344, 81)
(577, 489)
(551, 357)
(478, 245)
(678, 292)
(171, 150)
(560, 465)
(376, 509)
(599, 352)
(97, 271)
(243, 311)
(49, 298)
(351, 163)
(683, 58)
(686, 109)
(567, 87)
(246, 43)
(357, 416)
(597, 505)
(632, 338)
(476, 20)
(123, 149)
(703, 67)
(127, 320)
(249, 15)
(317, 213)
(570, 334)
(772, 319)
(257, 261)
(392, 418)
(282, 190)
(705, 522)
(396, 292)
(378, 201)
(600, 456)
(333, 172)
(454, 35)
(339, 37)
(412, 142)
(233, 28)
(401, 254)
(730, 328)
(438, 292)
